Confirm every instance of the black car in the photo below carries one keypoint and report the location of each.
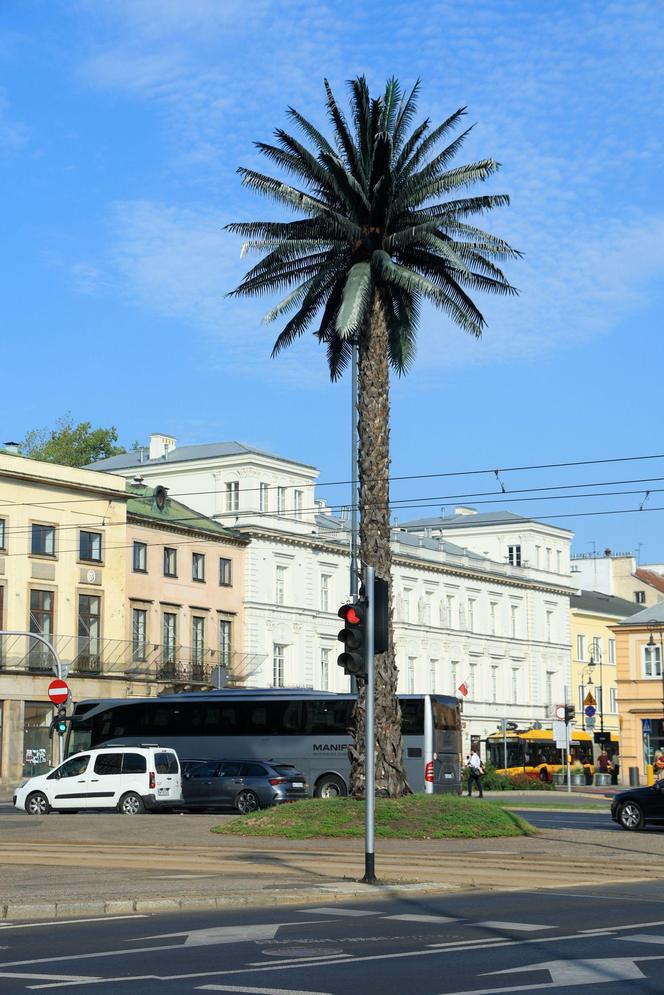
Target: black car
(634, 808)
(245, 785)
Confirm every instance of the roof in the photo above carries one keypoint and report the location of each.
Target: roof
(182, 454)
(650, 577)
(142, 504)
(655, 614)
(596, 602)
(474, 520)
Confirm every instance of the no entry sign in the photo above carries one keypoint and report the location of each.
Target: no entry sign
(58, 691)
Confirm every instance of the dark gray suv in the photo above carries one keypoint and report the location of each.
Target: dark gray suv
(245, 785)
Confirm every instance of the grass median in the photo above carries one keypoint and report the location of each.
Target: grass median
(416, 817)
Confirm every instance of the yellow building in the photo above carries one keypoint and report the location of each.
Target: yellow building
(639, 655)
(593, 616)
(136, 593)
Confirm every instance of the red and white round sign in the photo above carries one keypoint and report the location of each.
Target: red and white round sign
(58, 691)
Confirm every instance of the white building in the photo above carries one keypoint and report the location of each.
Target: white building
(477, 598)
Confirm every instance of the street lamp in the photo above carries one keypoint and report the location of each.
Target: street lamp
(590, 666)
(597, 650)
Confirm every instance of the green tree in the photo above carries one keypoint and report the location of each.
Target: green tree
(72, 444)
(384, 226)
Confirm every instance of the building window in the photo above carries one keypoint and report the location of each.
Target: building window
(515, 687)
(280, 585)
(494, 685)
(225, 572)
(473, 689)
(549, 625)
(140, 557)
(232, 495)
(169, 636)
(597, 649)
(612, 651)
(89, 631)
(263, 501)
(281, 500)
(548, 559)
(325, 592)
(3, 533)
(278, 660)
(471, 615)
(450, 610)
(454, 668)
(652, 661)
(559, 561)
(41, 622)
(639, 597)
(297, 503)
(581, 648)
(411, 674)
(549, 688)
(197, 641)
(324, 669)
(89, 547)
(462, 616)
(407, 592)
(514, 556)
(139, 637)
(515, 621)
(492, 617)
(43, 540)
(538, 555)
(170, 562)
(225, 642)
(613, 700)
(582, 694)
(433, 675)
(198, 566)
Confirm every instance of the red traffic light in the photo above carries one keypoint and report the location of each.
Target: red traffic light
(349, 614)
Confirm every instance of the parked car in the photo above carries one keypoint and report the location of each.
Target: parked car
(245, 785)
(186, 765)
(127, 779)
(634, 808)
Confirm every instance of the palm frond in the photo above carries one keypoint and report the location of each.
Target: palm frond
(355, 302)
(430, 141)
(390, 108)
(342, 134)
(319, 140)
(405, 115)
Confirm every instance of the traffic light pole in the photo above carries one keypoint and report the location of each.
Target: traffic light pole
(56, 661)
(369, 739)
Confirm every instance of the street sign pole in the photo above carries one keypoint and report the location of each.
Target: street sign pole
(369, 739)
(56, 660)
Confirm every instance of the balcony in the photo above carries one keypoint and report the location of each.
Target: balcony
(135, 661)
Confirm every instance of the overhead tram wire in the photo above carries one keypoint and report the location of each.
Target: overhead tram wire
(338, 483)
(403, 504)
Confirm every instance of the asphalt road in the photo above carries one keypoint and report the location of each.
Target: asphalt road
(570, 820)
(471, 944)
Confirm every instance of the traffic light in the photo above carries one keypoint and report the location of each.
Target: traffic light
(59, 722)
(353, 636)
(569, 714)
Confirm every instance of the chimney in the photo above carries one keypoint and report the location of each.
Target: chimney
(12, 448)
(160, 445)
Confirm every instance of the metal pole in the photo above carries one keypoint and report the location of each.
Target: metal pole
(428, 743)
(56, 660)
(369, 740)
(504, 721)
(569, 773)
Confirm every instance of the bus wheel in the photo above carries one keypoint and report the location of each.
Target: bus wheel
(330, 786)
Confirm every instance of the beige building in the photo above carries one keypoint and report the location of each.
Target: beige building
(618, 575)
(593, 616)
(136, 593)
(639, 655)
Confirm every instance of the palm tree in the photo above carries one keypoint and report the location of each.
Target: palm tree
(383, 227)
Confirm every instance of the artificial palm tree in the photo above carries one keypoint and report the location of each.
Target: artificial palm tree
(383, 227)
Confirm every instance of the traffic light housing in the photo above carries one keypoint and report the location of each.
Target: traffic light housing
(570, 714)
(353, 636)
(59, 722)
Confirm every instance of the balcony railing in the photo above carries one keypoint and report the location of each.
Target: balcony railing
(86, 656)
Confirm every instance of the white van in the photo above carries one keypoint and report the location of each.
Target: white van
(129, 779)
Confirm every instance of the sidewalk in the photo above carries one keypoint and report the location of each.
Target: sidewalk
(60, 867)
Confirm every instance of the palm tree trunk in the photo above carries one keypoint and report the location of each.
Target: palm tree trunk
(374, 434)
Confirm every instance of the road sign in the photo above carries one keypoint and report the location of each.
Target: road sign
(560, 734)
(589, 700)
(559, 712)
(58, 692)
(590, 711)
(647, 726)
(602, 738)
(590, 722)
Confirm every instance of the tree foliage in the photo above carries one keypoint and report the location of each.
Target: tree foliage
(71, 443)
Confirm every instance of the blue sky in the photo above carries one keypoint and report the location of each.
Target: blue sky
(122, 123)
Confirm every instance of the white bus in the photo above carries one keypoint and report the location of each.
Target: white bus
(310, 729)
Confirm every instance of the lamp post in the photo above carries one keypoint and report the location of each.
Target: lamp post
(597, 651)
(590, 666)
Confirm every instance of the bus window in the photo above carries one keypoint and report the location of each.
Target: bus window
(328, 718)
(412, 716)
(444, 716)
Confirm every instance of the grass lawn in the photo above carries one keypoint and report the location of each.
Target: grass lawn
(416, 817)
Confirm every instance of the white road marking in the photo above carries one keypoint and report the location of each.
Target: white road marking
(596, 971)
(228, 934)
(338, 912)
(48, 977)
(522, 927)
(642, 938)
(69, 922)
(413, 918)
(256, 991)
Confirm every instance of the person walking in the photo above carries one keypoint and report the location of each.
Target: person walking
(658, 765)
(475, 771)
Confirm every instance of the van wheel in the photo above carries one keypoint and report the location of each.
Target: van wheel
(131, 804)
(246, 802)
(330, 786)
(37, 804)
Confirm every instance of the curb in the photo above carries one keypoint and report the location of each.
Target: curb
(341, 891)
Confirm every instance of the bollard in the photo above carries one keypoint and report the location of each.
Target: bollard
(634, 779)
(650, 775)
